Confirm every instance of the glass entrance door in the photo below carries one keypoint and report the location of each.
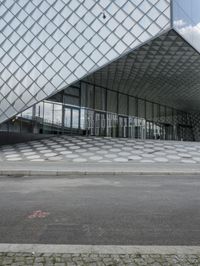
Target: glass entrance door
(185, 133)
(100, 124)
(67, 118)
(112, 125)
(132, 121)
(71, 119)
(149, 130)
(162, 132)
(123, 127)
(169, 132)
(140, 130)
(90, 129)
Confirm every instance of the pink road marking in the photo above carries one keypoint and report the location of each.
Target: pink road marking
(38, 214)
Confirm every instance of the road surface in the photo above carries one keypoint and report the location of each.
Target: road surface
(100, 210)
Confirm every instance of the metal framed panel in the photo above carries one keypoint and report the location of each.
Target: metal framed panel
(47, 45)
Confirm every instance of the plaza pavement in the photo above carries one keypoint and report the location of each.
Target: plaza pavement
(90, 155)
(78, 149)
(61, 155)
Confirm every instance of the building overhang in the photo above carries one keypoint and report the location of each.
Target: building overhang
(165, 70)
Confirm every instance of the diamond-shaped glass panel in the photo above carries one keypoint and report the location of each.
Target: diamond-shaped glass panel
(50, 44)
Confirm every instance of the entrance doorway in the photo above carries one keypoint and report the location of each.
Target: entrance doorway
(100, 124)
(132, 124)
(123, 127)
(149, 130)
(185, 132)
(71, 119)
(140, 129)
(112, 123)
(169, 132)
(166, 131)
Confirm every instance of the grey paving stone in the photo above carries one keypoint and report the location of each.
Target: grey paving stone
(80, 149)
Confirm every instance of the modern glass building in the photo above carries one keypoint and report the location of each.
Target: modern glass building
(101, 67)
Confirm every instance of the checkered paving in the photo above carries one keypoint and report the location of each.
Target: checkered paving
(79, 149)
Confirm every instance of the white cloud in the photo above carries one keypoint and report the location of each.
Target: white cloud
(189, 32)
(179, 23)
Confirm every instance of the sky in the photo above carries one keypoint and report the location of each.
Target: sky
(187, 20)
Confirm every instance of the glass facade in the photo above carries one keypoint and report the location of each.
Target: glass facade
(129, 62)
(48, 45)
(92, 112)
(186, 20)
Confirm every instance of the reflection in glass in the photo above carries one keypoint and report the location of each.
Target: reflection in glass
(112, 101)
(70, 39)
(132, 106)
(100, 98)
(90, 96)
(141, 108)
(149, 111)
(28, 113)
(83, 119)
(48, 112)
(75, 118)
(67, 119)
(57, 114)
(162, 113)
(39, 109)
(123, 104)
(156, 113)
(71, 100)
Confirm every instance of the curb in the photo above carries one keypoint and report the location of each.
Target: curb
(40, 248)
(84, 172)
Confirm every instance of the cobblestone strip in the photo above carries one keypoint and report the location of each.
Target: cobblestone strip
(56, 259)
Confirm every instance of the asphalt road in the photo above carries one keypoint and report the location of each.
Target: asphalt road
(123, 210)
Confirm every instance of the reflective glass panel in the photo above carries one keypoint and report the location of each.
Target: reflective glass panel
(90, 96)
(57, 114)
(149, 111)
(100, 98)
(156, 114)
(75, 118)
(67, 120)
(28, 113)
(132, 106)
(162, 113)
(123, 104)
(63, 41)
(141, 108)
(112, 101)
(48, 112)
(39, 110)
(67, 99)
